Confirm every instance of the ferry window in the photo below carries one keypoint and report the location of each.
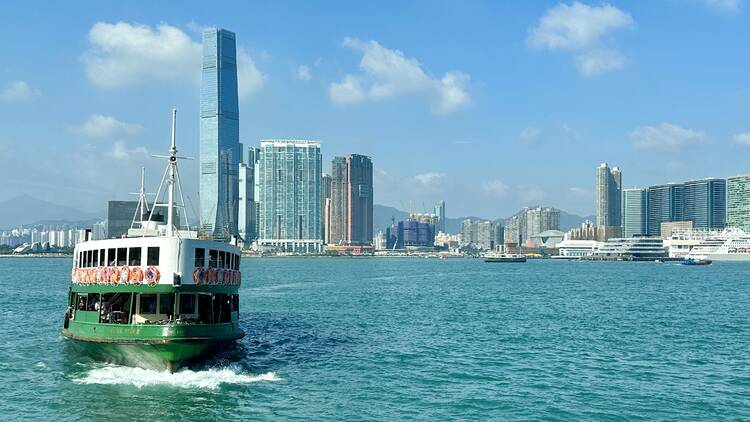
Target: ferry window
(187, 303)
(200, 257)
(111, 257)
(230, 256)
(236, 303)
(166, 304)
(135, 257)
(213, 256)
(80, 259)
(93, 304)
(153, 256)
(237, 262)
(81, 306)
(102, 260)
(148, 304)
(122, 257)
(222, 259)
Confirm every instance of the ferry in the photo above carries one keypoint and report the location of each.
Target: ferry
(159, 297)
(730, 244)
(504, 257)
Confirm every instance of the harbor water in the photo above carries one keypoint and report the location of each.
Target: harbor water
(391, 339)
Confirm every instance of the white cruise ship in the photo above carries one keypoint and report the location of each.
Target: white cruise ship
(728, 245)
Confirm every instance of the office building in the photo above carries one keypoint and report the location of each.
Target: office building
(247, 211)
(325, 195)
(738, 202)
(608, 196)
(351, 200)
(440, 212)
(634, 212)
(219, 136)
(703, 202)
(120, 216)
(289, 179)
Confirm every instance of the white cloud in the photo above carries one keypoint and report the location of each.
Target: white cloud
(580, 192)
(529, 135)
(431, 179)
(665, 136)
(303, 73)
(581, 28)
(531, 194)
(496, 187)
(388, 73)
(249, 79)
(124, 54)
(98, 126)
(742, 138)
(724, 6)
(18, 91)
(595, 62)
(122, 152)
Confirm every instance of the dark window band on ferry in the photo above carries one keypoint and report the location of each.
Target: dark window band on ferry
(200, 257)
(134, 257)
(152, 255)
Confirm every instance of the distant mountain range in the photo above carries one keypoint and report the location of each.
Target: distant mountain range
(383, 216)
(26, 210)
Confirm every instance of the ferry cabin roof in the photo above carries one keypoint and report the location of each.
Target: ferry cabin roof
(170, 255)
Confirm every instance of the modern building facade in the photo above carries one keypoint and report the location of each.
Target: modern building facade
(325, 194)
(440, 212)
(608, 196)
(703, 202)
(247, 211)
(120, 217)
(529, 222)
(219, 136)
(634, 212)
(738, 202)
(351, 200)
(289, 173)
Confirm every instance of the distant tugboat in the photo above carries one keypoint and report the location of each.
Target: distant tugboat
(504, 257)
(159, 297)
(696, 261)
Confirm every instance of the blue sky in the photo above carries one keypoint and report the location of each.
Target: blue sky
(488, 105)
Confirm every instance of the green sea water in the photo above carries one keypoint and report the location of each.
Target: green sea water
(392, 339)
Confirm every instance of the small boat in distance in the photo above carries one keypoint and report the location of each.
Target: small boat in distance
(504, 257)
(696, 261)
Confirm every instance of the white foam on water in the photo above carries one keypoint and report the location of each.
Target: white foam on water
(209, 379)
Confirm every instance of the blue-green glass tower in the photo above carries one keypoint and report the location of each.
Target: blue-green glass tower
(219, 136)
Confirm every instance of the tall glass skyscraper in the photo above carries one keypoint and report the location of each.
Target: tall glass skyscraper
(289, 180)
(634, 212)
(608, 196)
(665, 203)
(440, 212)
(738, 202)
(351, 200)
(703, 202)
(219, 136)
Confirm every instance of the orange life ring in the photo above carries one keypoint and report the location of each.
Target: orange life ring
(152, 275)
(114, 277)
(136, 275)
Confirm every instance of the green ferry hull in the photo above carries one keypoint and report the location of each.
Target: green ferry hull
(163, 353)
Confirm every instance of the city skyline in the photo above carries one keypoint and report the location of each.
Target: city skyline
(642, 110)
